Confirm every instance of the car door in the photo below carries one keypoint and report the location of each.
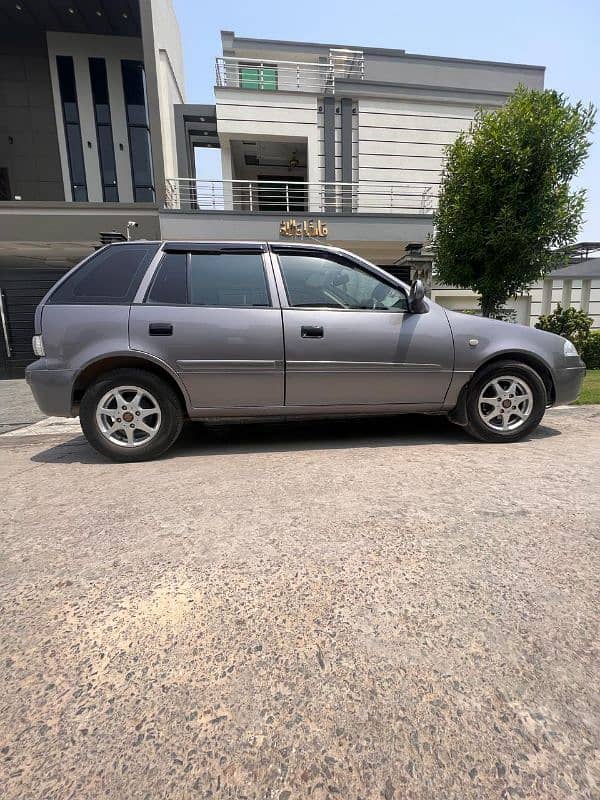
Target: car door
(350, 339)
(211, 313)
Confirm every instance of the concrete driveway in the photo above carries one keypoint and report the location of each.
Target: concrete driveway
(380, 609)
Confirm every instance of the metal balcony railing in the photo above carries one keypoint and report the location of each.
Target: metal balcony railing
(299, 76)
(299, 196)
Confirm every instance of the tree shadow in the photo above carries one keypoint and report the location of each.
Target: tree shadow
(208, 439)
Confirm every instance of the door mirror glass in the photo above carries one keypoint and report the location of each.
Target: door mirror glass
(416, 298)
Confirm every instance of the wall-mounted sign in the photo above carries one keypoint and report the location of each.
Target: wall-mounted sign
(310, 229)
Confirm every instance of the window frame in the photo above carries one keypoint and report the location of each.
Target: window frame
(73, 148)
(100, 64)
(262, 254)
(133, 125)
(260, 78)
(153, 250)
(343, 260)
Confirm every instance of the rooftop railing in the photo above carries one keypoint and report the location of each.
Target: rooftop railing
(300, 76)
(299, 196)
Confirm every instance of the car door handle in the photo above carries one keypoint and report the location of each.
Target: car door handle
(160, 329)
(311, 331)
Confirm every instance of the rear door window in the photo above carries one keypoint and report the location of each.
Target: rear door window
(231, 280)
(169, 286)
(110, 277)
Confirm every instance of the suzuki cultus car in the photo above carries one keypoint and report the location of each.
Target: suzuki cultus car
(142, 336)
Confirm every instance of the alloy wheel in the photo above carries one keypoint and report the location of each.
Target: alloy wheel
(505, 403)
(128, 416)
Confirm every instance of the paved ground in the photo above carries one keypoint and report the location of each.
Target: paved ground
(17, 406)
(343, 610)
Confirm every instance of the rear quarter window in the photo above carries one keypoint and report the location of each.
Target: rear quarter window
(111, 276)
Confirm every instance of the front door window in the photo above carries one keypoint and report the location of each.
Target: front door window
(318, 282)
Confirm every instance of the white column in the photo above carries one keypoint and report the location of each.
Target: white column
(567, 289)
(227, 173)
(313, 173)
(584, 304)
(546, 296)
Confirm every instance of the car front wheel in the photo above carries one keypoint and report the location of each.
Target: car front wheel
(505, 402)
(130, 415)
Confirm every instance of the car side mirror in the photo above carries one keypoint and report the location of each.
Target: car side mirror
(416, 301)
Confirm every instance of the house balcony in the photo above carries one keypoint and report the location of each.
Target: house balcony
(288, 197)
(290, 76)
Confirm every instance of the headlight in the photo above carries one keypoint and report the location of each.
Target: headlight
(37, 346)
(569, 348)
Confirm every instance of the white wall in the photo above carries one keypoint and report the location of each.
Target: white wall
(542, 298)
(579, 293)
(251, 115)
(465, 300)
(403, 141)
(169, 67)
(81, 47)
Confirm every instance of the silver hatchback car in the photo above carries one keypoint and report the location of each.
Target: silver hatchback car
(141, 336)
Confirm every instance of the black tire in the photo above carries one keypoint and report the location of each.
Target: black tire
(168, 427)
(478, 428)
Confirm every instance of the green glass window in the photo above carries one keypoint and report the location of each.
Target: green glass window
(258, 77)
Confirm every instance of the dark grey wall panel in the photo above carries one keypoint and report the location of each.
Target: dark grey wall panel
(346, 139)
(28, 139)
(329, 138)
(73, 222)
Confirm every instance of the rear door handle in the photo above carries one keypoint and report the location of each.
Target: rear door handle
(311, 331)
(160, 329)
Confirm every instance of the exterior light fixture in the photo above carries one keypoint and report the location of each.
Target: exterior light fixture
(71, 10)
(125, 15)
(19, 7)
(98, 13)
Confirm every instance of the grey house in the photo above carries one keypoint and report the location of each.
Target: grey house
(86, 138)
(349, 138)
(320, 142)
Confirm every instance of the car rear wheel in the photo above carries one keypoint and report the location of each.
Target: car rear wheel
(505, 402)
(130, 415)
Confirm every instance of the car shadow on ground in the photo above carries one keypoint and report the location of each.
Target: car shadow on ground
(202, 439)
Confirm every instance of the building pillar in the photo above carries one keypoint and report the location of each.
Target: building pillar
(567, 289)
(546, 296)
(584, 303)
(227, 173)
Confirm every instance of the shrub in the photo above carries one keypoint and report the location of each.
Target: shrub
(573, 325)
(590, 351)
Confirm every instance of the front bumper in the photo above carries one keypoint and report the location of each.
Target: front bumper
(52, 389)
(567, 383)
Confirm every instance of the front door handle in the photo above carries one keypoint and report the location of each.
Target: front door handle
(311, 331)
(160, 329)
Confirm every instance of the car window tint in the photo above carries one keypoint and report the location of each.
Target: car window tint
(112, 276)
(228, 279)
(317, 281)
(169, 286)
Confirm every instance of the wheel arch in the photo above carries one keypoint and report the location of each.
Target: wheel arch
(458, 414)
(98, 366)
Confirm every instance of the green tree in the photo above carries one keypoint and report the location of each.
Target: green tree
(506, 213)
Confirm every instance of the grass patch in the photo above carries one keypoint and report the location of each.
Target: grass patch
(590, 392)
